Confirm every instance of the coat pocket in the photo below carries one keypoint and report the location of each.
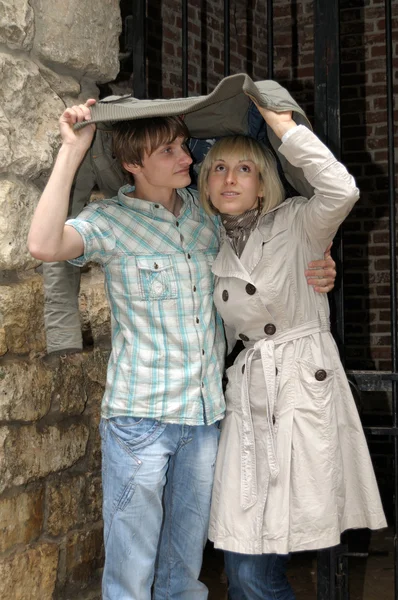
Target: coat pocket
(316, 381)
(315, 448)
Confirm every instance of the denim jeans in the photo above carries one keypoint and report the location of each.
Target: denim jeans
(257, 576)
(157, 482)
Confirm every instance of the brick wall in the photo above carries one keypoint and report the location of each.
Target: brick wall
(364, 128)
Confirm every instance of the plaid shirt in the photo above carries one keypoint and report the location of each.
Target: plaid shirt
(168, 344)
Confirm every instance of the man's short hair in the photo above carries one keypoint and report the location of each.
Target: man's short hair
(132, 139)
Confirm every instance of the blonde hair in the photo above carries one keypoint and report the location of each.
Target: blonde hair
(246, 148)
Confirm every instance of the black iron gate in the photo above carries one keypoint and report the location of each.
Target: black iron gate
(332, 564)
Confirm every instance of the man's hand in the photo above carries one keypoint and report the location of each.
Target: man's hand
(321, 274)
(82, 138)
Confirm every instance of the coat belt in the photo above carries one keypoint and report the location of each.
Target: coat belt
(266, 348)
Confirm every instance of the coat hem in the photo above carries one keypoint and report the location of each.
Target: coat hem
(318, 541)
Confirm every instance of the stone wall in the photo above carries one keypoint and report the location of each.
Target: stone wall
(52, 54)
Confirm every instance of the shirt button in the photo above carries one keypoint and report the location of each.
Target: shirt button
(243, 368)
(320, 375)
(189, 256)
(155, 266)
(273, 420)
(194, 288)
(270, 329)
(197, 320)
(156, 205)
(250, 289)
(181, 238)
(276, 370)
(243, 337)
(203, 385)
(203, 352)
(225, 295)
(177, 223)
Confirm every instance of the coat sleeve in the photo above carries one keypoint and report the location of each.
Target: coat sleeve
(335, 189)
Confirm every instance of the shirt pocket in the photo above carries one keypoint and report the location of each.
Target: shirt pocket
(157, 278)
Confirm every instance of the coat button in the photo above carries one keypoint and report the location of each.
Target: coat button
(250, 289)
(270, 329)
(320, 375)
(243, 337)
(225, 295)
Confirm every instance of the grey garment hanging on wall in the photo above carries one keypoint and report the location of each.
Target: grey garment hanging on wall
(225, 111)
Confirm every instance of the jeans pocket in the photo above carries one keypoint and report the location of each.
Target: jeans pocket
(134, 433)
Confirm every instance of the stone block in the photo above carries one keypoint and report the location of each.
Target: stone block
(29, 112)
(21, 317)
(21, 518)
(16, 24)
(29, 575)
(82, 37)
(27, 453)
(93, 498)
(84, 557)
(65, 504)
(25, 391)
(17, 204)
(70, 393)
(94, 308)
(62, 85)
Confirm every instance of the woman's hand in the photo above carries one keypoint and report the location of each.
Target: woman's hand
(280, 122)
(321, 274)
(82, 138)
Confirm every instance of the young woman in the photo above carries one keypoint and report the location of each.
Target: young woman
(293, 469)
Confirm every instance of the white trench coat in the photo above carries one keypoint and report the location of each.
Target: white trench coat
(293, 468)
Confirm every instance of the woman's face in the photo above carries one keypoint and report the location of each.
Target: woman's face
(234, 185)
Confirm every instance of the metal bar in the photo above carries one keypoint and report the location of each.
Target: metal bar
(327, 125)
(365, 375)
(270, 39)
(393, 284)
(372, 381)
(139, 50)
(393, 431)
(184, 43)
(332, 572)
(227, 37)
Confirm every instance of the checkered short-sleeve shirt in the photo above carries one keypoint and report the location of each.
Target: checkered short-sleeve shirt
(168, 342)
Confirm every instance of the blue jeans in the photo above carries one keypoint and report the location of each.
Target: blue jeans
(257, 576)
(157, 482)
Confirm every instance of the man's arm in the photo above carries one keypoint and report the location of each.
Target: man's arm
(49, 238)
(321, 274)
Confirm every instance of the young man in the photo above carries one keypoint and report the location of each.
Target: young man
(163, 398)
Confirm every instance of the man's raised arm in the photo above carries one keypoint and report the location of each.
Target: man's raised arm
(49, 238)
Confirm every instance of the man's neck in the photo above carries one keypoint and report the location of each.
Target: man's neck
(165, 196)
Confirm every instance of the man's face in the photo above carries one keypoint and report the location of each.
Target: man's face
(167, 167)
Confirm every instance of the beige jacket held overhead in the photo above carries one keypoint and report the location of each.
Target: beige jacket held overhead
(293, 469)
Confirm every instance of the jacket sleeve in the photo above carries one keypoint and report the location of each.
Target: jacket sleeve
(335, 189)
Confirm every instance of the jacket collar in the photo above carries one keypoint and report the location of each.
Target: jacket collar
(227, 263)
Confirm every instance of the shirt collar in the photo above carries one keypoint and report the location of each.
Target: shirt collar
(154, 209)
